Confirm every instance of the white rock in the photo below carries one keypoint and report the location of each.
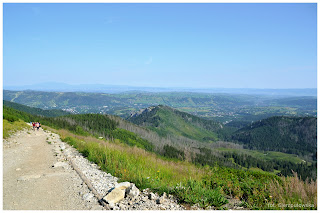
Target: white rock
(123, 185)
(162, 199)
(111, 205)
(162, 208)
(87, 196)
(60, 164)
(133, 191)
(28, 177)
(115, 196)
(164, 195)
(152, 196)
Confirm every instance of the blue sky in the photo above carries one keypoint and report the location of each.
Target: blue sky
(164, 45)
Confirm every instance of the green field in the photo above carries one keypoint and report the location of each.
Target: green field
(265, 155)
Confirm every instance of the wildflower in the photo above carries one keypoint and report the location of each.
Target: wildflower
(270, 196)
(158, 171)
(148, 177)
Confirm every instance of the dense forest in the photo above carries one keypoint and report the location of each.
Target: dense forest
(242, 161)
(296, 135)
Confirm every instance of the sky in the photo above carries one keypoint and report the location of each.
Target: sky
(213, 45)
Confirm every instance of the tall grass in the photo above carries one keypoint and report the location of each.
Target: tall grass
(293, 193)
(11, 127)
(192, 184)
(148, 170)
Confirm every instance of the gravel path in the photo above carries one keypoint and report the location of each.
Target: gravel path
(30, 182)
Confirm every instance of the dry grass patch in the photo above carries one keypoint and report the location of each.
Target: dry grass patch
(294, 191)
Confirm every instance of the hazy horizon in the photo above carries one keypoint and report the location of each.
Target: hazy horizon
(113, 89)
(124, 85)
(181, 45)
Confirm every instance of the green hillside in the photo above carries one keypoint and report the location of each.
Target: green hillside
(207, 183)
(167, 121)
(84, 124)
(296, 135)
(35, 111)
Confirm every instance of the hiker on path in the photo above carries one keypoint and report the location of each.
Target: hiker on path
(37, 125)
(34, 126)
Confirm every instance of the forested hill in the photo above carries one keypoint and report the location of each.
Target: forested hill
(168, 121)
(35, 111)
(296, 135)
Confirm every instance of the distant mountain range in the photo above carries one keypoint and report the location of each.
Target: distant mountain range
(62, 87)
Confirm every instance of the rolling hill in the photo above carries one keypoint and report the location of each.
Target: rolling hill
(168, 121)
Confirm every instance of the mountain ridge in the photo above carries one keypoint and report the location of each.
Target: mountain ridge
(281, 133)
(34, 110)
(169, 121)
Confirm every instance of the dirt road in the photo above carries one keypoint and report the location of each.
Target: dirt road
(30, 182)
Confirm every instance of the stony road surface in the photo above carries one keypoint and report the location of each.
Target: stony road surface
(30, 182)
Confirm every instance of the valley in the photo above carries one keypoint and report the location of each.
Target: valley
(235, 110)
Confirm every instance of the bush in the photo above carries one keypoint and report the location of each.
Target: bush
(10, 118)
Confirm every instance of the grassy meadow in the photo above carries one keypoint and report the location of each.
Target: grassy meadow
(263, 155)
